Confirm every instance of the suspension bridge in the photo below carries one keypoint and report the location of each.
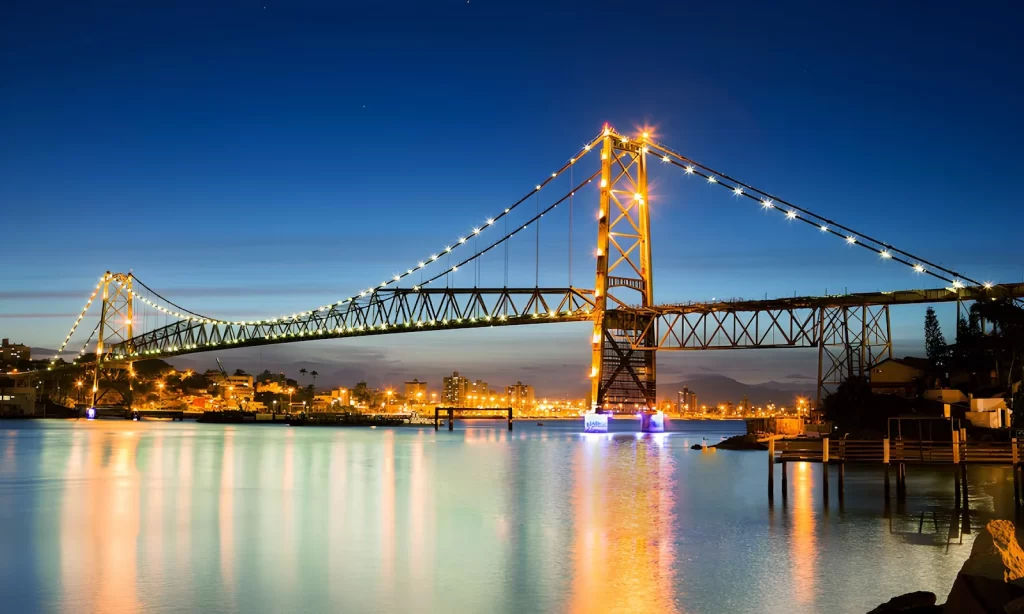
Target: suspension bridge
(850, 331)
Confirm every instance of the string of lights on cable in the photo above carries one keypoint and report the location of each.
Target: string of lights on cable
(78, 321)
(420, 265)
(793, 212)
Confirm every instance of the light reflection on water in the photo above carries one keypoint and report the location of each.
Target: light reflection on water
(121, 516)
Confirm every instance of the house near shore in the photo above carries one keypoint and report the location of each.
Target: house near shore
(899, 376)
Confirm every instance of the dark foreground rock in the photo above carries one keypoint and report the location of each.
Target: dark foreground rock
(920, 602)
(991, 580)
(741, 442)
(993, 576)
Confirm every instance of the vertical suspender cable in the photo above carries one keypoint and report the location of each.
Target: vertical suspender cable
(572, 182)
(536, 278)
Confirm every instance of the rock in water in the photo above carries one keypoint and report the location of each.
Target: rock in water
(918, 602)
(696, 446)
(993, 576)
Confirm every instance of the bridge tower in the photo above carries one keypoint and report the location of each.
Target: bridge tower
(622, 369)
(115, 326)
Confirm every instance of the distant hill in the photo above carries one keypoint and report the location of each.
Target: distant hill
(714, 389)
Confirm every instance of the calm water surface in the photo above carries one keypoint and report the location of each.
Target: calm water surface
(159, 516)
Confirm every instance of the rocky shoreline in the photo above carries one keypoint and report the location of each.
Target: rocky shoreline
(990, 581)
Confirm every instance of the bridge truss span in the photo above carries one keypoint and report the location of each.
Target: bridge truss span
(384, 311)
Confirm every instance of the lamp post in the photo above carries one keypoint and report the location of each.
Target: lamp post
(291, 391)
(274, 409)
(78, 385)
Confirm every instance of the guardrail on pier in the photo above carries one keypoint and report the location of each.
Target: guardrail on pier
(898, 453)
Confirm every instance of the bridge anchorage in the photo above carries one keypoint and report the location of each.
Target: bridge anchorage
(851, 332)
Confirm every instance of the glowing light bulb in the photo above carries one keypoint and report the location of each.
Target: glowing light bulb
(604, 183)
(988, 285)
(455, 268)
(737, 191)
(711, 179)
(791, 214)
(958, 284)
(824, 228)
(851, 240)
(396, 277)
(490, 221)
(665, 159)
(919, 268)
(767, 204)
(637, 196)
(885, 254)
(538, 186)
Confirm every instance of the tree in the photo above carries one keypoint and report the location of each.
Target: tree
(853, 406)
(303, 371)
(240, 372)
(314, 374)
(934, 342)
(995, 348)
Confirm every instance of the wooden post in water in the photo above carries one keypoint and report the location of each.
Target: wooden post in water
(885, 459)
(435, 417)
(771, 469)
(1016, 472)
(824, 467)
(785, 481)
(451, 419)
(963, 481)
(510, 418)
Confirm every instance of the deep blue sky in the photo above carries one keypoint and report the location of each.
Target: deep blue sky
(257, 158)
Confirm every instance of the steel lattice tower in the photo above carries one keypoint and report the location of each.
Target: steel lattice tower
(622, 356)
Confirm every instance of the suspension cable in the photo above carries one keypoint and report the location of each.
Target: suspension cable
(824, 224)
(508, 236)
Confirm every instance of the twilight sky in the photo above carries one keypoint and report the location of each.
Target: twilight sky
(249, 159)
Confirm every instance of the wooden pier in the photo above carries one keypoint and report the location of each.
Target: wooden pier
(894, 456)
(451, 411)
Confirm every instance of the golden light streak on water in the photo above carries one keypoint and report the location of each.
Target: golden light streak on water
(802, 539)
(226, 511)
(623, 502)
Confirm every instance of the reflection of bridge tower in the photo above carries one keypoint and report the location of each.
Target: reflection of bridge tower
(115, 327)
(622, 369)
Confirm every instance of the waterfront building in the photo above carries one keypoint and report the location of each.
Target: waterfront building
(18, 401)
(272, 387)
(14, 352)
(520, 397)
(455, 390)
(416, 392)
(341, 397)
(479, 394)
(687, 401)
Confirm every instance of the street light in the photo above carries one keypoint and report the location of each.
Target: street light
(78, 384)
(291, 391)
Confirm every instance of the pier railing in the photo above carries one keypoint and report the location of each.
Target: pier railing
(873, 451)
(898, 454)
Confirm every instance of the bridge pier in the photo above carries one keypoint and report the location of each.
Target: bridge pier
(652, 422)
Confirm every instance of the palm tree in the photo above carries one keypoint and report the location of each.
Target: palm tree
(314, 374)
(303, 371)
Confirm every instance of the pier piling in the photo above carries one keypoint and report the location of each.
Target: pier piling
(771, 470)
